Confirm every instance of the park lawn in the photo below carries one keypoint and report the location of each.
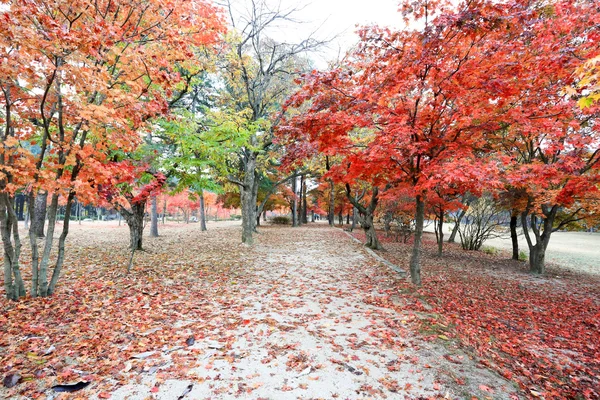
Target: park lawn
(540, 331)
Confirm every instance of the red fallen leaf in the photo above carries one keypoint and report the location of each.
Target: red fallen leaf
(154, 389)
(104, 395)
(246, 321)
(486, 389)
(436, 386)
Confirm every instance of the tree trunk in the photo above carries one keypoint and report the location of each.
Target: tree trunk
(135, 221)
(45, 260)
(304, 202)
(312, 216)
(164, 215)
(537, 249)
(40, 213)
(415, 259)
(440, 233)
(354, 215)
(452, 237)
(258, 220)
(61, 245)
(294, 203)
(14, 289)
(248, 199)
(370, 233)
(330, 214)
(202, 212)
(514, 237)
(154, 217)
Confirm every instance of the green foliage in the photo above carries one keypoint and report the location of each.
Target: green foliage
(522, 256)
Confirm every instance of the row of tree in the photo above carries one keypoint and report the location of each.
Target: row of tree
(479, 98)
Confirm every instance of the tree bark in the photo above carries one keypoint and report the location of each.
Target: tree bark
(304, 202)
(294, 203)
(514, 237)
(248, 199)
(40, 213)
(135, 222)
(202, 212)
(440, 233)
(14, 289)
(539, 243)
(354, 216)
(61, 245)
(154, 217)
(164, 215)
(366, 217)
(415, 259)
(330, 213)
(452, 237)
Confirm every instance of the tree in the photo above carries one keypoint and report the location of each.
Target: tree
(80, 80)
(258, 75)
(550, 146)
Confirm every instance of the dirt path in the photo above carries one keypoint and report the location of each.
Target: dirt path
(312, 324)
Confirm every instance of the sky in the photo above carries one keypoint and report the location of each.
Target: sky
(332, 19)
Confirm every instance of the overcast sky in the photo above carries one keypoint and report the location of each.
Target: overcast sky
(332, 18)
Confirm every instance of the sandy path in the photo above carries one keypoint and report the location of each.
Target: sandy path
(312, 328)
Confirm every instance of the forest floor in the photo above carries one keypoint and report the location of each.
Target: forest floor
(305, 313)
(542, 332)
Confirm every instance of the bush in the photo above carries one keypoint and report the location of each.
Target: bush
(522, 256)
(283, 220)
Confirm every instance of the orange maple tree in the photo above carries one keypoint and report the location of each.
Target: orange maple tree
(79, 80)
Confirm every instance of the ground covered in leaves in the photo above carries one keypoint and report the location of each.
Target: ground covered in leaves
(541, 332)
(305, 313)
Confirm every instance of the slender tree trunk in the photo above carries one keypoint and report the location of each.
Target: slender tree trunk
(294, 203)
(415, 259)
(459, 218)
(354, 215)
(154, 217)
(341, 218)
(33, 242)
(264, 215)
(441, 235)
(312, 216)
(331, 215)
(40, 213)
(304, 202)
(514, 237)
(202, 212)
(27, 215)
(45, 260)
(61, 245)
(164, 215)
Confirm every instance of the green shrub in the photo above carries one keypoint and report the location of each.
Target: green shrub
(522, 256)
(282, 220)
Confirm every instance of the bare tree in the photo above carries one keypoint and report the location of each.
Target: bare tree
(483, 220)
